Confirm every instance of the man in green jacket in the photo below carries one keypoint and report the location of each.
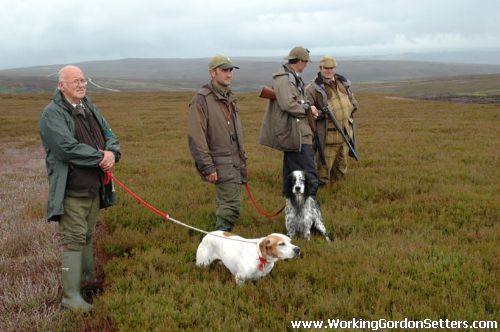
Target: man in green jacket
(215, 137)
(79, 147)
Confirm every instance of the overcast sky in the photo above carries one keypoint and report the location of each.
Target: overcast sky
(39, 32)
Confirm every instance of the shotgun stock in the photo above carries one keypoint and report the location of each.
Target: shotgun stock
(267, 93)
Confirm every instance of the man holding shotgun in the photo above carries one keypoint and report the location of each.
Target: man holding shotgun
(285, 126)
(331, 93)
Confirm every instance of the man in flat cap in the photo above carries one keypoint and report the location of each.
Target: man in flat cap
(332, 90)
(215, 137)
(285, 126)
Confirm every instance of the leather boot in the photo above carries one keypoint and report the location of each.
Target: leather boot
(71, 277)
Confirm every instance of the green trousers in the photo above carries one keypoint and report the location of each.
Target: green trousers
(228, 204)
(77, 225)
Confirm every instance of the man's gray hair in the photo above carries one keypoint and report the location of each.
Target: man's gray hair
(60, 73)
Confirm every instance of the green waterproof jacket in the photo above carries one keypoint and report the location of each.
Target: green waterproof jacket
(57, 131)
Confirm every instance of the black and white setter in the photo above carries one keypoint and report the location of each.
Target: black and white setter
(301, 209)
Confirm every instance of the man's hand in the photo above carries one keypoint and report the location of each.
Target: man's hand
(108, 160)
(212, 178)
(314, 111)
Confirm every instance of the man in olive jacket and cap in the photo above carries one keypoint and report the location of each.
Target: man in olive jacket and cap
(79, 147)
(215, 138)
(285, 127)
(332, 90)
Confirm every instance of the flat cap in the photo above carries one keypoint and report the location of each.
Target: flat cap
(221, 61)
(300, 53)
(328, 61)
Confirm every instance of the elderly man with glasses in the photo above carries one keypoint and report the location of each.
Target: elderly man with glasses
(285, 127)
(79, 147)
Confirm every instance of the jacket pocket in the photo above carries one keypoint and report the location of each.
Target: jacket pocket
(226, 169)
(288, 138)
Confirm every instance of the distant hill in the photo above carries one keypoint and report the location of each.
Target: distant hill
(479, 56)
(465, 88)
(190, 74)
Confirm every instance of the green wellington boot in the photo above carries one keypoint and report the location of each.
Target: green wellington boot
(71, 277)
(87, 262)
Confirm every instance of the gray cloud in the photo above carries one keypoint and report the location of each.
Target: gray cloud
(61, 31)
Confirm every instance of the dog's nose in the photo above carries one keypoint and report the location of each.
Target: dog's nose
(296, 250)
(296, 188)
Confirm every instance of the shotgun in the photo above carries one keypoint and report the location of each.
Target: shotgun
(352, 150)
(268, 93)
(353, 140)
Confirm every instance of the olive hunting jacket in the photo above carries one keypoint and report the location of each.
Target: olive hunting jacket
(215, 136)
(285, 126)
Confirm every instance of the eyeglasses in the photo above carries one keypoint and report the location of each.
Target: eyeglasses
(77, 82)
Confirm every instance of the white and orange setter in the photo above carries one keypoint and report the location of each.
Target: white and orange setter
(247, 259)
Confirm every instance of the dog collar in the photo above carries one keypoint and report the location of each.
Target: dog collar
(262, 263)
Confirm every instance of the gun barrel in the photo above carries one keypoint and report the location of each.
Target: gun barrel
(339, 128)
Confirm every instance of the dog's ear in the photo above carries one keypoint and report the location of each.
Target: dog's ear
(308, 183)
(288, 185)
(264, 245)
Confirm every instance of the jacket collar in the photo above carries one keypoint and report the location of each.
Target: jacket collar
(319, 80)
(229, 96)
(322, 81)
(59, 99)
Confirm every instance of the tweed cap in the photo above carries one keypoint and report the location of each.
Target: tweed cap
(328, 61)
(300, 53)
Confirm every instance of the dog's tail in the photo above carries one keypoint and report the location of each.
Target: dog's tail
(203, 256)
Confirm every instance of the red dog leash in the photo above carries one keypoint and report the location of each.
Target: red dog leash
(108, 176)
(257, 207)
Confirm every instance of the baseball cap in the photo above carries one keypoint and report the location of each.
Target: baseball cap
(300, 53)
(328, 61)
(221, 61)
